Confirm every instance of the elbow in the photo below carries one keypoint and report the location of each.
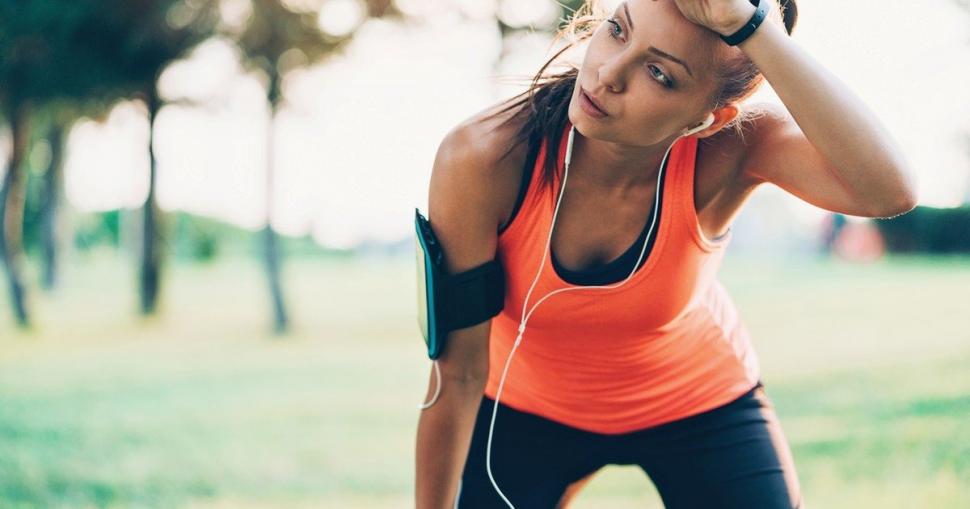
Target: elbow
(910, 203)
(470, 386)
(903, 205)
(908, 197)
(469, 380)
(903, 200)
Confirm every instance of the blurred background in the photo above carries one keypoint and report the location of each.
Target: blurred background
(209, 290)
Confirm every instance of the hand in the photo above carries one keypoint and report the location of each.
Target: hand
(722, 16)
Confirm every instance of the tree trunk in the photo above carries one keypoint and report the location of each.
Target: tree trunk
(270, 244)
(52, 193)
(12, 220)
(149, 281)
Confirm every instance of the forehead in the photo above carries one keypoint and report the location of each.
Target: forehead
(660, 23)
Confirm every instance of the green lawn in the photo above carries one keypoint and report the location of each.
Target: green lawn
(868, 366)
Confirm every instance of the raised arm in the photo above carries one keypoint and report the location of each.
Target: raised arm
(828, 148)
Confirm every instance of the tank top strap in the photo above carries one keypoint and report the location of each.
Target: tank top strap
(528, 208)
(536, 199)
(683, 190)
(683, 156)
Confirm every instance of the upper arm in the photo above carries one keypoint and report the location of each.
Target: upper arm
(461, 205)
(779, 153)
(463, 215)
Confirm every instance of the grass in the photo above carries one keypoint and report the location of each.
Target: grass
(200, 408)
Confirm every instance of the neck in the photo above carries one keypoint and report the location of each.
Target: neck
(612, 165)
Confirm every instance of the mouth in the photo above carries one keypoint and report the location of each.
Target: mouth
(590, 104)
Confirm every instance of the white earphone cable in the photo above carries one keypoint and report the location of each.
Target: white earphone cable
(437, 388)
(525, 319)
(522, 324)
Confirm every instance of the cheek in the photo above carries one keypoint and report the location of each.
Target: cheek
(600, 46)
(645, 100)
(654, 114)
(644, 111)
(594, 56)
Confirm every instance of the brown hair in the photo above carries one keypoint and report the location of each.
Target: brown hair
(542, 109)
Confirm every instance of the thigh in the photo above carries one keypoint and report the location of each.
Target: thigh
(733, 457)
(533, 460)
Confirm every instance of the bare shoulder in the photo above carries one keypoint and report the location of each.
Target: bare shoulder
(473, 188)
(721, 155)
(484, 138)
(761, 120)
(721, 187)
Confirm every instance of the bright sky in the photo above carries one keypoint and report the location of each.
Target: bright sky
(356, 142)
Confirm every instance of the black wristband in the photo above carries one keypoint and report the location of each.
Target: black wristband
(760, 13)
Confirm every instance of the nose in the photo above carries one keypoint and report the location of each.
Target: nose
(612, 73)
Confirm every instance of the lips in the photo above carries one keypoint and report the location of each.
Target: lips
(592, 102)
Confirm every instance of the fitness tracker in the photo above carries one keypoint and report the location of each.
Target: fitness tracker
(748, 28)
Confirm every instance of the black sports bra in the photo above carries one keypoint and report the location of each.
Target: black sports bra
(612, 272)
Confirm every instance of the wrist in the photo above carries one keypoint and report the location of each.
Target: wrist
(745, 11)
(765, 31)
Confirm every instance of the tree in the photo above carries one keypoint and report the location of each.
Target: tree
(276, 39)
(140, 38)
(25, 55)
(11, 214)
(92, 52)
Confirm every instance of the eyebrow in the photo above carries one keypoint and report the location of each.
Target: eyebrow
(654, 50)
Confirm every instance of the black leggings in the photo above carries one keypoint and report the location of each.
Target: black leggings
(733, 456)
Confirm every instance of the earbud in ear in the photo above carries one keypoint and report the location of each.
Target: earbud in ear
(703, 125)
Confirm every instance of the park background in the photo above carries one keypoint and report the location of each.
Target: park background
(214, 323)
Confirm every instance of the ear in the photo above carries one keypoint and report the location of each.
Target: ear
(722, 116)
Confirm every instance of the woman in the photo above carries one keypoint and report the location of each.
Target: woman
(626, 348)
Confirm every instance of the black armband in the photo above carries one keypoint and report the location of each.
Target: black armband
(760, 13)
(452, 301)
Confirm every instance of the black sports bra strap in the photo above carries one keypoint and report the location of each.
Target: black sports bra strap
(530, 161)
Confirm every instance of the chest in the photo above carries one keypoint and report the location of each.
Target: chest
(588, 234)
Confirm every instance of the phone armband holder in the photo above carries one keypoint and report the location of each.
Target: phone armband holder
(447, 302)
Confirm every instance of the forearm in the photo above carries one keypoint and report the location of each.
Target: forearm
(831, 116)
(444, 436)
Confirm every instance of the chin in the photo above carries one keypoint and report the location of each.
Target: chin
(582, 124)
(577, 118)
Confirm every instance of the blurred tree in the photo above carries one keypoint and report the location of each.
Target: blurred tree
(277, 37)
(142, 37)
(928, 230)
(26, 53)
(96, 229)
(71, 81)
(67, 58)
(12, 200)
(49, 200)
(54, 118)
(196, 238)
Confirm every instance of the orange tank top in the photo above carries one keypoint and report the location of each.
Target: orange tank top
(666, 344)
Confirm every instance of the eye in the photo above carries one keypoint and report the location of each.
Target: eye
(616, 27)
(664, 80)
(660, 77)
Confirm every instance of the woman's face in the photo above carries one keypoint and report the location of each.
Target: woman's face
(649, 69)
